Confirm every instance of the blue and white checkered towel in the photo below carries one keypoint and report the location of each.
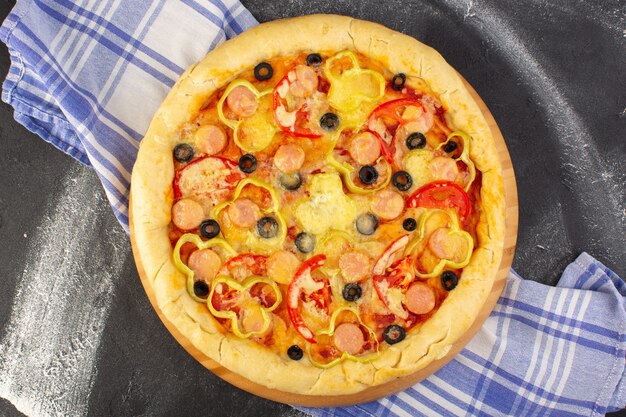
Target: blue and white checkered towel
(87, 75)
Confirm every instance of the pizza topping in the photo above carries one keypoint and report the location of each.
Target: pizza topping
(402, 180)
(366, 224)
(409, 224)
(394, 334)
(305, 242)
(368, 174)
(450, 146)
(289, 158)
(449, 280)
(348, 338)
(352, 291)
(201, 289)
(244, 212)
(303, 80)
(281, 266)
(442, 195)
(303, 283)
(245, 265)
(387, 204)
(416, 140)
(364, 148)
(210, 139)
(205, 264)
(291, 112)
(416, 163)
(267, 227)
(263, 71)
(420, 298)
(329, 122)
(443, 168)
(209, 229)
(247, 163)
(354, 266)
(295, 352)
(313, 60)
(183, 152)
(209, 179)
(187, 214)
(290, 182)
(242, 101)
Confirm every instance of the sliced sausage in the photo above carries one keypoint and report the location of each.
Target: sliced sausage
(289, 158)
(281, 266)
(443, 168)
(210, 139)
(204, 263)
(187, 214)
(437, 243)
(348, 338)
(244, 212)
(387, 204)
(242, 101)
(305, 81)
(364, 148)
(420, 298)
(354, 266)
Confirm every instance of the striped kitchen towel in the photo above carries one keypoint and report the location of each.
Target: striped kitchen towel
(87, 76)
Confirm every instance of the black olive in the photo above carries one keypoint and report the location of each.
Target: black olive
(402, 180)
(368, 174)
(329, 121)
(449, 280)
(290, 182)
(313, 60)
(394, 334)
(352, 291)
(398, 80)
(263, 71)
(247, 163)
(295, 352)
(267, 227)
(209, 228)
(366, 224)
(416, 140)
(183, 152)
(450, 146)
(200, 289)
(305, 242)
(409, 224)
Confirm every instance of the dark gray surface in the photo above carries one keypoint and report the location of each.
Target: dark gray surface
(552, 75)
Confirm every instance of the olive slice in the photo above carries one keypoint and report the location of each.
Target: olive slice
(366, 224)
(329, 121)
(247, 163)
(200, 289)
(416, 140)
(263, 71)
(394, 334)
(305, 242)
(295, 352)
(402, 180)
(352, 291)
(450, 147)
(267, 227)
(209, 229)
(398, 80)
(290, 182)
(368, 174)
(183, 152)
(409, 224)
(449, 280)
(313, 60)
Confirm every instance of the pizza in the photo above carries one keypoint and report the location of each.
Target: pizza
(318, 206)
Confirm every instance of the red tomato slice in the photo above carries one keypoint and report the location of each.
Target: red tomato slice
(294, 292)
(442, 195)
(388, 274)
(303, 116)
(242, 266)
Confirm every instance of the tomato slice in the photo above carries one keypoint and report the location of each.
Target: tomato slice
(212, 177)
(389, 274)
(295, 289)
(302, 115)
(442, 195)
(242, 266)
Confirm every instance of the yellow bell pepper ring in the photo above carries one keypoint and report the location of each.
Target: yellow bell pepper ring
(200, 244)
(244, 288)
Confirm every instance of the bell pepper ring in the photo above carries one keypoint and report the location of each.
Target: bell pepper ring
(293, 294)
(465, 154)
(442, 195)
(268, 131)
(242, 287)
(455, 230)
(291, 121)
(200, 244)
(345, 355)
(345, 170)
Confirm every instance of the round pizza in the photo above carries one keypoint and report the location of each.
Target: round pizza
(318, 206)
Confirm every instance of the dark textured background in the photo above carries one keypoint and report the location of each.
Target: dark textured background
(552, 73)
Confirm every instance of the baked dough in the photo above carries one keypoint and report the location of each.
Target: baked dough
(152, 197)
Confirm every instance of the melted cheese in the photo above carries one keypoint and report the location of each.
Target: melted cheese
(416, 163)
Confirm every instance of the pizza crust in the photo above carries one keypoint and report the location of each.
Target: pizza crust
(152, 198)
